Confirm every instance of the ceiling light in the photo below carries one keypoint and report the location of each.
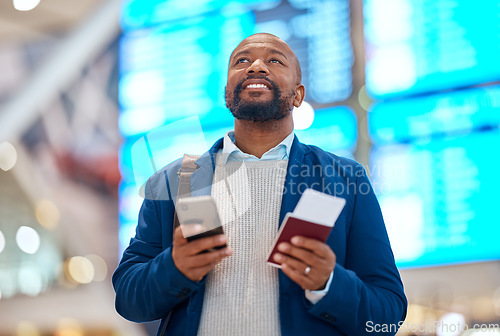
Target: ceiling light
(25, 5)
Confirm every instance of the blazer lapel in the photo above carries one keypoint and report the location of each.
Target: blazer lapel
(296, 182)
(297, 177)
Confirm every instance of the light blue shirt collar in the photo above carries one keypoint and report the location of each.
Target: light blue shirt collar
(232, 153)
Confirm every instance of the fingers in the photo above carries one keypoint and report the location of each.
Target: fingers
(314, 256)
(206, 259)
(203, 244)
(320, 249)
(297, 275)
(295, 270)
(302, 253)
(315, 279)
(294, 264)
(178, 237)
(310, 251)
(198, 245)
(190, 261)
(306, 256)
(199, 266)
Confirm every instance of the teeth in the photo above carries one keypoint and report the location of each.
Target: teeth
(256, 86)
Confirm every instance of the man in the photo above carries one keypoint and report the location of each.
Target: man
(257, 174)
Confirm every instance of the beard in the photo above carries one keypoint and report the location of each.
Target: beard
(275, 109)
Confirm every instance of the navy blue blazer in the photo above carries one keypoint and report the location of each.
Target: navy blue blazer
(366, 293)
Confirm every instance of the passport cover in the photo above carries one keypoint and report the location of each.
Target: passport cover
(293, 226)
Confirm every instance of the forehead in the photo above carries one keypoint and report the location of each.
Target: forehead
(263, 44)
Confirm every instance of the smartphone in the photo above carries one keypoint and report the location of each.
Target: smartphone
(199, 218)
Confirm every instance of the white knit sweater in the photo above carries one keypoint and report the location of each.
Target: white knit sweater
(241, 293)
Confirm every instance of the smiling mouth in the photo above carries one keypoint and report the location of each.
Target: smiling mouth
(257, 87)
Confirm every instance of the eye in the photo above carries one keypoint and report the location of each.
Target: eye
(241, 60)
(274, 60)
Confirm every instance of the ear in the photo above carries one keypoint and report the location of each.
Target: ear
(300, 92)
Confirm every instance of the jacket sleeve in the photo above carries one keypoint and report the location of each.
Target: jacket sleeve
(366, 295)
(147, 283)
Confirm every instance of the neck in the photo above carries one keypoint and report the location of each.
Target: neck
(256, 138)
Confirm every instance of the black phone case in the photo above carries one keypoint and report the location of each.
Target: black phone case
(218, 230)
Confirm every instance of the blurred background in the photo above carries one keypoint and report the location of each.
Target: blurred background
(97, 95)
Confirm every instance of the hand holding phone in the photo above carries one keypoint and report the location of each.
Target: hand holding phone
(198, 243)
(189, 258)
(199, 218)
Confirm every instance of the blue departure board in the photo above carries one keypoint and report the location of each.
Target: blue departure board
(434, 173)
(140, 14)
(334, 129)
(435, 115)
(418, 46)
(432, 68)
(440, 198)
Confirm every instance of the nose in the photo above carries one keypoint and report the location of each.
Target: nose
(258, 67)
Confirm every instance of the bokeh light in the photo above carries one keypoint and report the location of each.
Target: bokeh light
(25, 328)
(80, 270)
(30, 280)
(8, 156)
(452, 324)
(27, 239)
(2, 242)
(25, 5)
(69, 327)
(303, 116)
(47, 214)
(100, 267)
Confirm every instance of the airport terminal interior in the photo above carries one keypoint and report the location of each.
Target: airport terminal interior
(98, 95)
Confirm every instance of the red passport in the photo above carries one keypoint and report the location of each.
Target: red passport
(313, 217)
(293, 226)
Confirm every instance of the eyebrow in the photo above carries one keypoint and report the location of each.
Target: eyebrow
(244, 52)
(278, 52)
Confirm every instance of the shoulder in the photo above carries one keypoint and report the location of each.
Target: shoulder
(164, 183)
(159, 184)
